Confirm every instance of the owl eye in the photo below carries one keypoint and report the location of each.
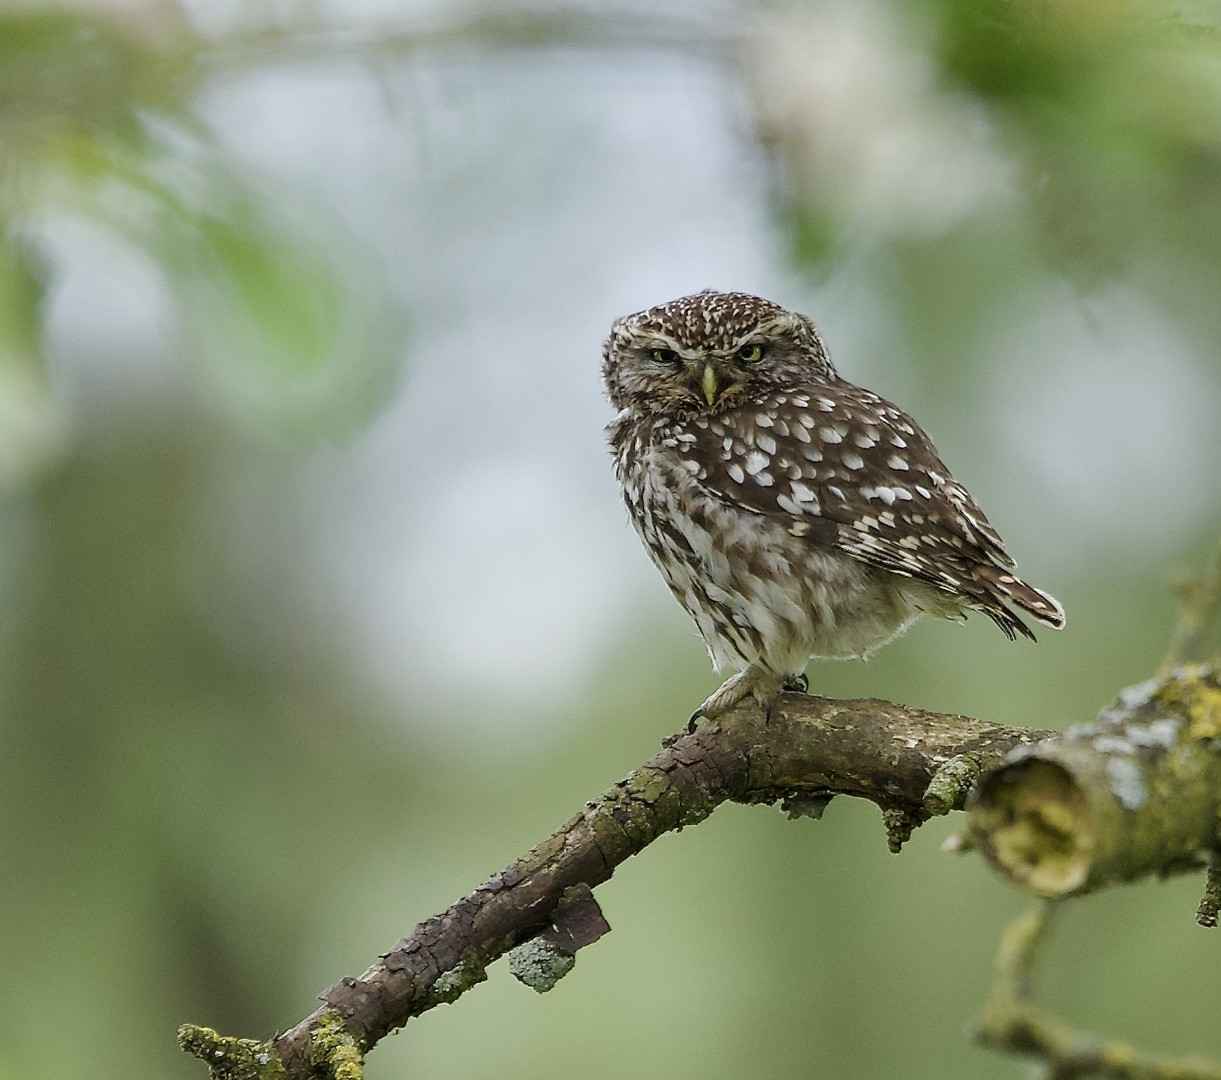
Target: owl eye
(750, 354)
(664, 356)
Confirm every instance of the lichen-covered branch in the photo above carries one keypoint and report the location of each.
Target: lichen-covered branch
(811, 749)
(1013, 1022)
(1137, 791)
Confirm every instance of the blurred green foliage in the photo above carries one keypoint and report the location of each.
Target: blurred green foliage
(1114, 109)
(66, 74)
(1108, 116)
(206, 818)
(285, 327)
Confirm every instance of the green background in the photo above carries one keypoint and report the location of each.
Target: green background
(318, 603)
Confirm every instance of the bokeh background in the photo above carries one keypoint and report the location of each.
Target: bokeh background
(318, 604)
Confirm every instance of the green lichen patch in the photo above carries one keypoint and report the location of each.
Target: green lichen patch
(950, 785)
(1192, 691)
(333, 1051)
(228, 1058)
(540, 964)
(451, 985)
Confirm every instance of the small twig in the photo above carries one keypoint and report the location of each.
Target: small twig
(949, 788)
(1200, 601)
(1210, 905)
(1012, 1022)
(233, 1059)
(492, 30)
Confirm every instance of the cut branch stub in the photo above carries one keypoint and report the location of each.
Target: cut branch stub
(1134, 793)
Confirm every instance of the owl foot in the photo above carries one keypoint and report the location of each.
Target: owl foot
(759, 683)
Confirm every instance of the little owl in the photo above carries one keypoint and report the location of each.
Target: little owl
(792, 513)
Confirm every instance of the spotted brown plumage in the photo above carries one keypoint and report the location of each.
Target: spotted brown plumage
(792, 513)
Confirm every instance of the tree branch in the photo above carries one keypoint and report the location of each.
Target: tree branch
(1012, 1021)
(1137, 791)
(809, 750)
(1199, 599)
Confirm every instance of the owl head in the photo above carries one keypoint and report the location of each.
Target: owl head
(707, 352)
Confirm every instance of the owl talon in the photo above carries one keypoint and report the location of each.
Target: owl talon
(693, 722)
(796, 684)
(724, 698)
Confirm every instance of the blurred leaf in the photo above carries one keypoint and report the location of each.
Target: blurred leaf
(1086, 134)
(29, 425)
(63, 70)
(22, 288)
(287, 320)
(1111, 110)
(1015, 48)
(294, 304)
(290, 327)
(813, 236)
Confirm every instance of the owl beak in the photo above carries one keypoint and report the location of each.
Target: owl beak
(710, 384)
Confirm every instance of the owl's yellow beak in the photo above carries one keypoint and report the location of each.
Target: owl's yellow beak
(710, 384)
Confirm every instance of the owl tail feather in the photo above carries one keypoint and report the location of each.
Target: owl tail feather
(1005, 588)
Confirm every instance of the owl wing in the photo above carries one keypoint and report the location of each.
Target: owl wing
(849, 470)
